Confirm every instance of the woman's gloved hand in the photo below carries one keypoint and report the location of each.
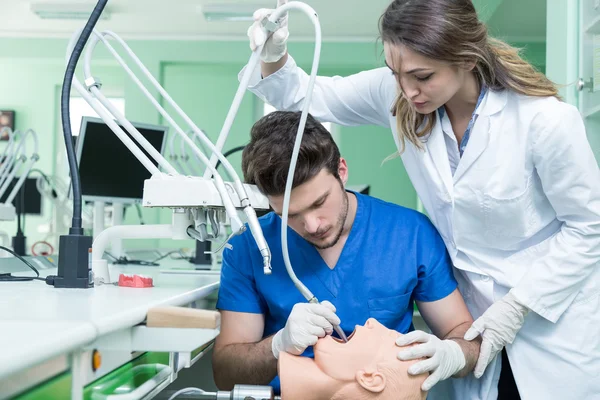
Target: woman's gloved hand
(498, 327)
(276, 45)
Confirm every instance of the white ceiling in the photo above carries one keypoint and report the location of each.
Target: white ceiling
(347, 20)
(180, 19)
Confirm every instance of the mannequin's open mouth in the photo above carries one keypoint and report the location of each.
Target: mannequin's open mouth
(341, 341)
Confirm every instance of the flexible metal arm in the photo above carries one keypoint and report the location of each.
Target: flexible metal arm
(9, 154)
(19, 158)
(7, 149)
(272, 25)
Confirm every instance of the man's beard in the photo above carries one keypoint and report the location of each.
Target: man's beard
(341, 221)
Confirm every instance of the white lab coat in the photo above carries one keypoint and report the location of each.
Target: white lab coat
(521, 211)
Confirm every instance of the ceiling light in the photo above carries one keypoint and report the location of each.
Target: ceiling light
(79, 11)
(229, 12)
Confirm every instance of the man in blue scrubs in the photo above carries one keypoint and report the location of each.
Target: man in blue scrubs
(360, 256)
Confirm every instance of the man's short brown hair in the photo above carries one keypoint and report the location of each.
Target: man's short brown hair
(266, 159)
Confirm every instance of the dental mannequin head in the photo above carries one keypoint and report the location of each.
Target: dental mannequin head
(365, 368)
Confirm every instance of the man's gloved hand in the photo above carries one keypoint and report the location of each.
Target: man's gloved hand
(498, 327)
(276, 45)
(445, 358)
(305, 325)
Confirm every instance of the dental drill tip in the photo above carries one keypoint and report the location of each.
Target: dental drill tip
(341, 333)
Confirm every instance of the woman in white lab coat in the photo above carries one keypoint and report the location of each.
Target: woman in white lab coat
(506, 174)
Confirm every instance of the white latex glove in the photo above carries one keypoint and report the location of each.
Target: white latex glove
(445, 357)
(305, 325)
(276, 45)
(498, 327)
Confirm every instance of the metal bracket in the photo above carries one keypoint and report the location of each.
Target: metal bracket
(589, 85)
(270, 26)
(92, 82)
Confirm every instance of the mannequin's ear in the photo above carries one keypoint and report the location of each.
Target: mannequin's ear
(373, 381)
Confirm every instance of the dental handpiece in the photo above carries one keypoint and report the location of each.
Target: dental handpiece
(341, 333)
(338, 329)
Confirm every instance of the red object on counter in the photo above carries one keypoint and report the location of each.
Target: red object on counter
(135, 281)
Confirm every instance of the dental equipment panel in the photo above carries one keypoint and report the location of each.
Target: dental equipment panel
(189, 218)
(194, 199)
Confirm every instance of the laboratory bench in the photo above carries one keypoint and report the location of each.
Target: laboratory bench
(93, 343)
(51, 338)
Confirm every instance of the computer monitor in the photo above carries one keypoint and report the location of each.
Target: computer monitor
(108, 171)
(33, 198)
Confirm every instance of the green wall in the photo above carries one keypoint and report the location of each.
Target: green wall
(202, 79)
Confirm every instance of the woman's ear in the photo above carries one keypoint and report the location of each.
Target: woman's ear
(373, 381)
(469, 65)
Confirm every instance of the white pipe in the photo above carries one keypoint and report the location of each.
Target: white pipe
(237, 101)
(98, 224)
(22, 148)
(241, 191)
(146, 145)
(108, 119)
(176, 230)
(116, 246)
(12, 157)
(7, 149)
(156, 104)
(100, 266)
(21, 180)
(237, 224)
(290, 178)
(279, 12)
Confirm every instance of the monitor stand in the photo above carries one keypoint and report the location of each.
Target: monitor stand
(116, 245)
(98, 218)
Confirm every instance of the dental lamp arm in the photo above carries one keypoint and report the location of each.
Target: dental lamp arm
(12, 156)
(236, 222)
(7, 150)
(21, 159)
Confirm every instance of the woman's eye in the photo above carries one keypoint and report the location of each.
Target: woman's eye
(424, 78)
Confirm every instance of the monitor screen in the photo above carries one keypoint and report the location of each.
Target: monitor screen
(33, 198)
(108, 170)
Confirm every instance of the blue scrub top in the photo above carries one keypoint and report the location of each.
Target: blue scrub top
(393, 256)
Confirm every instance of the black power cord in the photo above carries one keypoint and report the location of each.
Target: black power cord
(8, 277)
(230, 152)
(73, 251)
